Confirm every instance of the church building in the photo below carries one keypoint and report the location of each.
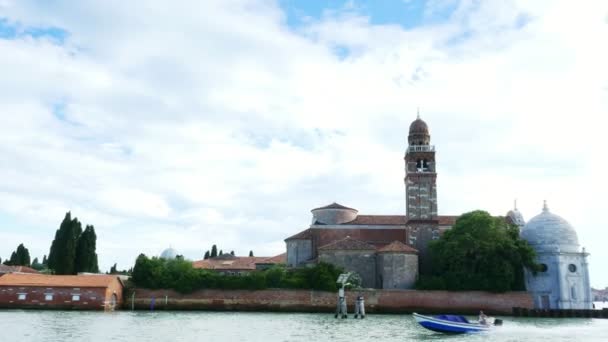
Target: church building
(387, 251)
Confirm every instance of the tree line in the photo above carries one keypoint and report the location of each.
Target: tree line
(72, 251)
(180, 275)
(213, 253)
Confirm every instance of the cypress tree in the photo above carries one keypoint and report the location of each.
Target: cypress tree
(213, 251)
(45, 261)
(85, 257)
(20, 257)
(231, 252)
(250, 253)
(206, 255)
(221, 252)
(62, 255)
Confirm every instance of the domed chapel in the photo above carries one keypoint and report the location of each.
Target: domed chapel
(389, 251)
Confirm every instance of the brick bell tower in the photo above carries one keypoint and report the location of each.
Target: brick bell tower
(420, 175)
(421, 193)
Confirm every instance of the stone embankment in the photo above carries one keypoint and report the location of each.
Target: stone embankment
(376, 301)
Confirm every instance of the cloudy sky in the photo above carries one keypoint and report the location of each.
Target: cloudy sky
(189, 123)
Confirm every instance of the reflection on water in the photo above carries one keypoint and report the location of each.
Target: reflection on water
(26, 326)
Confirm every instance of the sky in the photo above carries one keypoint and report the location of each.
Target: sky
(193, 123)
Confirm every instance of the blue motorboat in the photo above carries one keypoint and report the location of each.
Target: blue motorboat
(453, 324)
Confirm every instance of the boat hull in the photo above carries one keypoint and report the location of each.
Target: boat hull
(449, 327)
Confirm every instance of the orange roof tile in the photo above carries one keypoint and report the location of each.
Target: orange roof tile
(19, 269)
(23, 279)
(277, 259)
(379, 220)
(235, 263)
(347, 243)
(398, 247)
(303, 235)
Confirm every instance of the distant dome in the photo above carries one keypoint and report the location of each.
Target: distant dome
(548, 232)
(168, 253)
(515, 217)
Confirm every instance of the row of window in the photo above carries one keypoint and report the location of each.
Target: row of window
(49, 297)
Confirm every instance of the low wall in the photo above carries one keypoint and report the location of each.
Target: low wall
(383, 301)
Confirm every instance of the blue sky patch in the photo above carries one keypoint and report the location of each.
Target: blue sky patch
(11, 30)
(407, 14)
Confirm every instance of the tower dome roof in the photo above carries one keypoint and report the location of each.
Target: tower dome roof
(549, 232)
(168, 253)
(418, 126)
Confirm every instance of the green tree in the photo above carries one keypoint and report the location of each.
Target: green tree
(113, 269)
(206, 255)
(86, 256)
(250, 253)
(231, 252)
(213, 251)
(37, 265)
(62, 255)
(20, 257)
(479, 252)
(45, 262)
(221, 252)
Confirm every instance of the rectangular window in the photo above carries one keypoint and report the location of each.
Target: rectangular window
(48, 296)
(76, 298)
(21, 296)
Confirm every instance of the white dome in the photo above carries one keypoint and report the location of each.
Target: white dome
(516, 217)
(168, 253)
(548, 232)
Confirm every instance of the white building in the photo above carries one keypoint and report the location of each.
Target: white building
(563, 282)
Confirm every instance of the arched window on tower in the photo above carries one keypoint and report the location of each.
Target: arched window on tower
(422, 165)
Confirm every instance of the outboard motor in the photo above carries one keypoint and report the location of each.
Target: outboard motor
(498, 321)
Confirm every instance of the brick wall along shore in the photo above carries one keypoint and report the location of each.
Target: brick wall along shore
(376, 301)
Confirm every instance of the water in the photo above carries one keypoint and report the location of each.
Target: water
(64, 326)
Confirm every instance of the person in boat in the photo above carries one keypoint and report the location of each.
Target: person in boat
(483, 319)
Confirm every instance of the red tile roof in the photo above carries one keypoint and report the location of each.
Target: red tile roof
(277, 259)
(379, 220)
(447, 220)
(398, 247)
(237, 263)
(347, 243)
(303, 235)
(394, 220)
(23, 279)
(16, 269)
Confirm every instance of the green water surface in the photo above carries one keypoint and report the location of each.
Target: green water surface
(25, 326)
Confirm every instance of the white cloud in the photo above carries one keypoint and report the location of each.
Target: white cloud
(213, 122)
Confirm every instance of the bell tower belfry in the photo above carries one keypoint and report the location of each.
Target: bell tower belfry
(420, 174)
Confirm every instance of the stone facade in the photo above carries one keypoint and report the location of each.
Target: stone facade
(396, 270)
(361, 262)
(298, 252)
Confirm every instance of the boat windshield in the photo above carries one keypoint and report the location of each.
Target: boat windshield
(453, 318)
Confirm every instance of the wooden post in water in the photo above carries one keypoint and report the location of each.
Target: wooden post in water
(360, 307)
